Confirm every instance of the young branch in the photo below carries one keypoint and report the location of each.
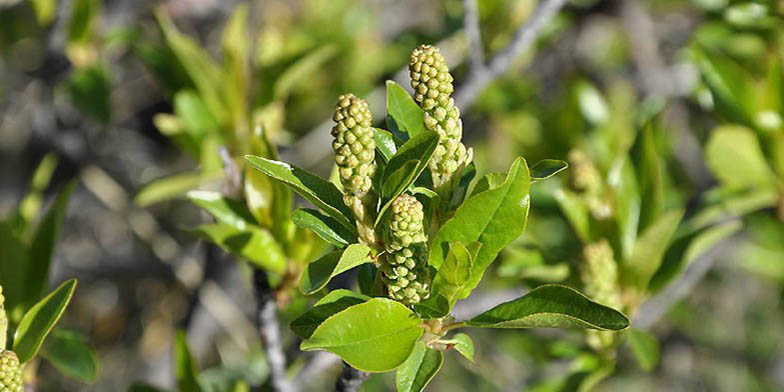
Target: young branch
(350, 379)
(500, 63)
(475, 50)
(270, 331)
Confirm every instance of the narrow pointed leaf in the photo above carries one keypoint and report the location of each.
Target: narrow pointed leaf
(645, 348)
(546, 168)
(225, 210)
(318, 273)
(406, 166)
(734, 155)
(254, 244)
(403, 114)
(421, 366)
(186, 368)
(375, 336)
(551, 306)
(334, 302)
(324, 226)
(40, 319)
(463, 344)
(318, 191)
(650, 247)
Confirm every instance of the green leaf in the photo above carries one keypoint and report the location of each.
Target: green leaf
(71, 355)
(318, 273)
(546, 168)
(734, 155)
(185, 366)
(375, 336)
(302, 70)
(198, 120)
(260, 196)
(90, 89)
(493, 218)
(551, 306)
(403, 114)
(650, 247)
(167, 188)
(254, 244)
(592, 104)
(325, 227)
(43, 245)
(14, 255)
(645, 348)
(576, 212)
(731, 86)
(452, 277)
(406, 166)
(334, 302)
(463, 344)
(225, 210)
(420, 367)
(320, 192)
(627, 193)
(40, 319)
(30, 206)
(385, 143)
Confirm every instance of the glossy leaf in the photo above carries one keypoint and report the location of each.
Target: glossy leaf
(385, 143)
(253, 244)
(40, 319)
(375, 336)
(71, 355)
(403, 114)
(185, 366)
(493, 218)
(546, 168)
(225, 210)
(452, 277)
(645, 348)
(650, 247)
(323, 194)
(463, 344)
(324, 226)
(318, 273)
(405, 167)
(334, 302)
(551, 306)
(421, 366)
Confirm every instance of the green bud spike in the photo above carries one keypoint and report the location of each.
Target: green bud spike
(599, 273)
(10, 372)
(355, 153)
(433, 89)
(404, 265)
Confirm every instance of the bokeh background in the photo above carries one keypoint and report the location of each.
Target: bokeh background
(101, 89)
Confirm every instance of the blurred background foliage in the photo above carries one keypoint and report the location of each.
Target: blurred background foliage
(670, 113)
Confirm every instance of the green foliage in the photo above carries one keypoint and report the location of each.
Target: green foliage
(38, 322)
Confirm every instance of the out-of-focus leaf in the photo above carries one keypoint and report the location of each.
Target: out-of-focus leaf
(649, 249)
(144, 388)
(325, 227)
(403, 114)
(645, 348)
(576, 213)
(45, 11)
(90, 90)
(185, 366)
(224, 210)
(70, 354)
(627, 192)
(546, 168)
(375, 336)
(198, 120)
(592, 104)
(650, 177)
(421, 366)
(31, 204)
(253, 243)
(15, 256)
(43, 244)
(318, 273)
(321, 193)
(334, 302)
(167, 188)
(260, 196)
(735, 157)
(301, 70)
(730, 85)
(40, 319)
(493, 218)
(551, 306)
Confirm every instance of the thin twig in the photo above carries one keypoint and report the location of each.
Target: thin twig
(500, 63)
(475, 50)
(270, 332)
(350, 379)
